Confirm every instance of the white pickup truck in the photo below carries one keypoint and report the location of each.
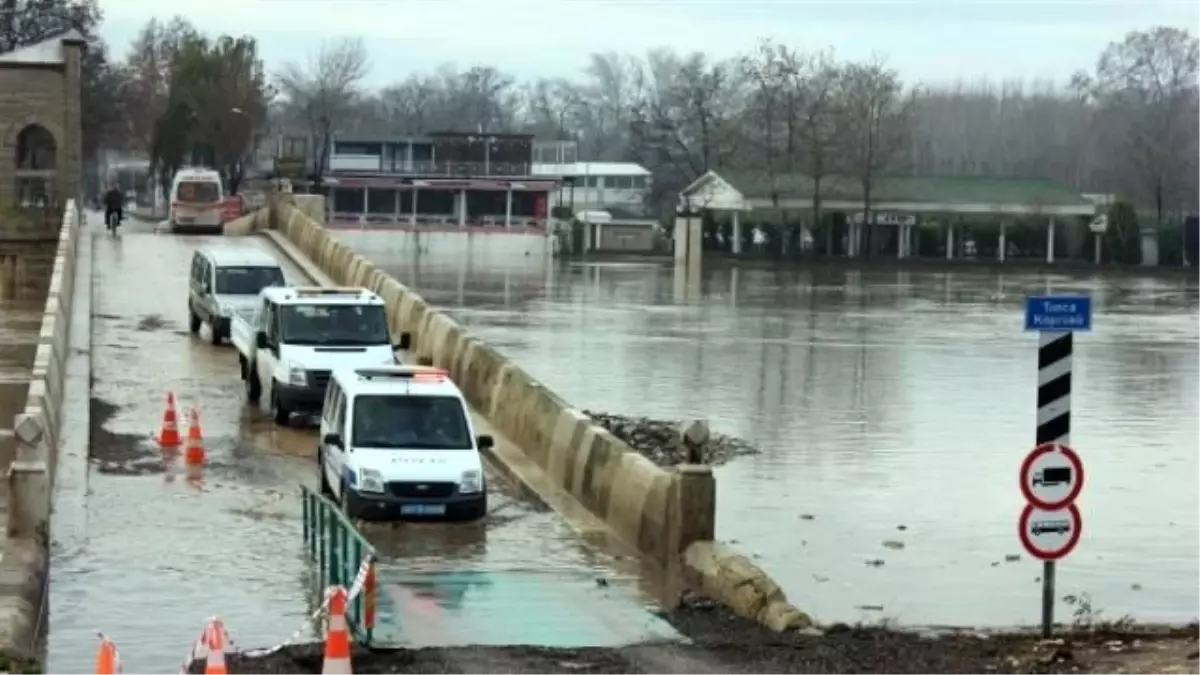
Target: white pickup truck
(288, 345)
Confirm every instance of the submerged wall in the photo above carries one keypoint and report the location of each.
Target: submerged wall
(667, 515)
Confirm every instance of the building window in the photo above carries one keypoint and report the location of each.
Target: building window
(357, 149)
(619, 182)
(639, 182)
(295, 146)
(34, 192)
(591, 181)
(570, 154)
(36, 149)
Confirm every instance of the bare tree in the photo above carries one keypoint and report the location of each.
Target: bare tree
(815, 83)
(149, 64)
(550, 109)
(326, 91)
(876, 115)
(765, 115)
(1148, 81)
(684, 123)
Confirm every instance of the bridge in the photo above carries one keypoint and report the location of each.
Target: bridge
(581, 534)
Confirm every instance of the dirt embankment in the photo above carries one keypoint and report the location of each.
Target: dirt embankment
(727, 644)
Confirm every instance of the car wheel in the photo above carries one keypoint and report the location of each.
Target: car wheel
(348, 506)
(281, 414)
(193, 320)
(326, 490)
(253, 388)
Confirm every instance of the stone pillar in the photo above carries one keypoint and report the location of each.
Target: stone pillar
(461, 201)
(508, 208)
(693, 512)
(1050, 241)
(412, 216)
(695, 241)
(736, 247)
(29, 480)
(1149, 245)
(949, 241)
(396, 195)
(69, 157)
(1002, 247)
(681, 240)
(366, 207)
(901, 241)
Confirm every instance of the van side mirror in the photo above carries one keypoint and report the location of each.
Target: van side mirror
(485, 441)
(260, 339)
(405, 341)
(335, 439)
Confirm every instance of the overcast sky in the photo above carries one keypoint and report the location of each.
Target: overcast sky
(927, 40)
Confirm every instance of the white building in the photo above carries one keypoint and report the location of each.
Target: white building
(592, 186)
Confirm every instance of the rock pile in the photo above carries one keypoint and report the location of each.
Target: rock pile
(661, 441)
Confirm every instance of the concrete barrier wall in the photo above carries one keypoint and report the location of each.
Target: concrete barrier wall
(37, 429)
(659, 512)
(248, 224)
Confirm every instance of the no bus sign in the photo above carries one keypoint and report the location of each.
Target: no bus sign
(1049, 535)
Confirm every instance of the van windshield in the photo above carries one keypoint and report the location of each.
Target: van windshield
(247, 280)
(333, 325)
(410, 422)
(205, 192)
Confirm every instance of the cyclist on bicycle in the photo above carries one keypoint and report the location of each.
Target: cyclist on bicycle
(114, 202)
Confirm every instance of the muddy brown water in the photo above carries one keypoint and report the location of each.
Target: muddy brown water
(146, 555)
(892, 407)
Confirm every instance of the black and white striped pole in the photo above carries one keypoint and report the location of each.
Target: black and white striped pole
(1052, 475)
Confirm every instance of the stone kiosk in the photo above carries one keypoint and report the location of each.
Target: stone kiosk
(40, 157)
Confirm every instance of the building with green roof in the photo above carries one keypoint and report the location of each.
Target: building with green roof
(892, 199)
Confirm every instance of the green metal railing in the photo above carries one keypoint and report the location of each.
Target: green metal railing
(339, 552)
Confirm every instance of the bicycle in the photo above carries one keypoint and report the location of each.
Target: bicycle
(112, 220)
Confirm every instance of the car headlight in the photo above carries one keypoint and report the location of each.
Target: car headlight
(370, 480)
(472, 481)
(296, 375)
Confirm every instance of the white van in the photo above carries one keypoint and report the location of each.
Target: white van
(397, 442)
(298, 335)
(226, 281)
(197, 197)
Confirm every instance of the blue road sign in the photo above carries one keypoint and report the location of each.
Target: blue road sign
(1058, 313)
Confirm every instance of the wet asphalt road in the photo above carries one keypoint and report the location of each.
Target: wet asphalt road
(146, 553)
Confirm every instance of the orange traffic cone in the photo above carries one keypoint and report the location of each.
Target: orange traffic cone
(193, 453)
(168, 438)
(337, 635)
(108, 661)
(214, 640)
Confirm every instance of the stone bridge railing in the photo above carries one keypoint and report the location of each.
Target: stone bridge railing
(37, 429)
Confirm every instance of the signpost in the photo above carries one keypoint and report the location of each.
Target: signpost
(1052, 474)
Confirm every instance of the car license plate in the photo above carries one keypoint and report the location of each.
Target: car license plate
(423, 509)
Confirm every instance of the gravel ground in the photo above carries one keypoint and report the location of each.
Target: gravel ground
(658, 440)
(727, 644)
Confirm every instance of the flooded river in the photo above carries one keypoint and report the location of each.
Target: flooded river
(890, 406)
